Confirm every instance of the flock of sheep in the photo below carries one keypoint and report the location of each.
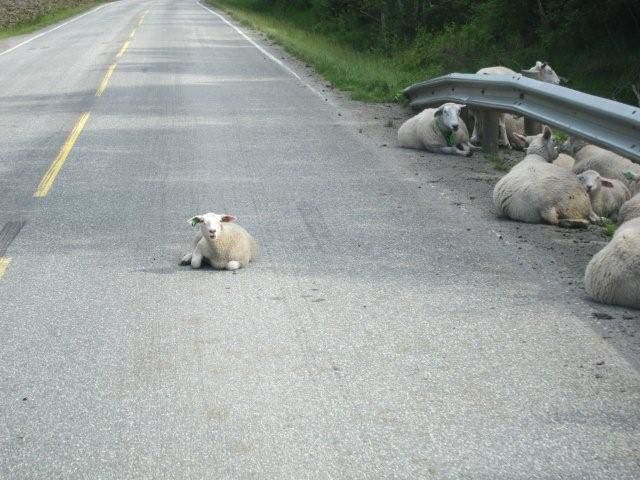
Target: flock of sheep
(585, 184)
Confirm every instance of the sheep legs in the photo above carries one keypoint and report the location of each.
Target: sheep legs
(551, 216)
(465, 151)
(186, 260)
(194, 259)
(477, 126)
(504, 139)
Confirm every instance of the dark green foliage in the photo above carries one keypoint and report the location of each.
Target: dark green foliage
(596, 44)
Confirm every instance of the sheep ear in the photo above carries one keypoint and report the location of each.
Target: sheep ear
(228, 218)
(606, 183)
(546, 133)
(196, 220)
(439, 111)
(539, 64)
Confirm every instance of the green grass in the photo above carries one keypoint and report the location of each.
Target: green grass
(343, 53)
(367, 76)
(498, 162)
(47, 19)
(609, 228)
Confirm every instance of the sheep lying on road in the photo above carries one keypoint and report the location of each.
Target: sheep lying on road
(510, 124)
(606, 163)
(607, 195)
(437, 130)
(536, 191)
(630, 209)
(224, 245)
(613, 274)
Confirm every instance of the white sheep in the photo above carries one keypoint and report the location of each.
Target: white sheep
(613, 274)
(606, 163)
(565, 161)
(510, 124)
(224, 245)
(536, 191)
(542, 71)
(607, 194)
(630, 209)
(437, 130)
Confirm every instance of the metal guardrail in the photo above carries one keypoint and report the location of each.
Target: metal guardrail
(607, 123)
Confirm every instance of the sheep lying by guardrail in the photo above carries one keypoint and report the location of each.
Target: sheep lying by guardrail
(535, 191)
(222, 244)
(630, 209)
(605, 162)
(437, 130)
(613, 274)
(607, 195)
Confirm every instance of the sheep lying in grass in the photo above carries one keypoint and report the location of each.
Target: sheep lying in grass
(509, 124)
(222, 244)
(437, 130)
(606, 163)
(630, 209)
(535, 191)
(613, 274)
(607, 195)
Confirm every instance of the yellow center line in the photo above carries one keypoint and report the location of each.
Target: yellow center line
(4, 264)
(105, 80)
(54, 169)
(123, 49)
(132, 34)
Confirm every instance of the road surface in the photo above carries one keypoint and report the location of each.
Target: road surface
(381, 333)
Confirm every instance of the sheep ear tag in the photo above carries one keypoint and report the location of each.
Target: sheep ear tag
(629, 175)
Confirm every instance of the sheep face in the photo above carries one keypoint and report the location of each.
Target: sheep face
(545, 73)
(448, 116)
(211, 224)
(592, 181)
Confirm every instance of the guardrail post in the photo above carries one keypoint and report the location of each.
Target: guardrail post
(490, 131)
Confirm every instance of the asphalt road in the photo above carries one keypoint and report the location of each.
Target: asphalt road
(380, 334)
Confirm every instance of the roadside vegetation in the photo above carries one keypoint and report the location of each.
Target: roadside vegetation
(42, 14)
(375, 48)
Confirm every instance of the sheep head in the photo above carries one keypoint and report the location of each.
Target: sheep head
(545, 73)
(541, 144)
(448, 116)
(592, 181)
(211, 224)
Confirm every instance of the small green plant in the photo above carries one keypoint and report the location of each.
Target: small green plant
(609, 228)
(497, 162)
(559, 137)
